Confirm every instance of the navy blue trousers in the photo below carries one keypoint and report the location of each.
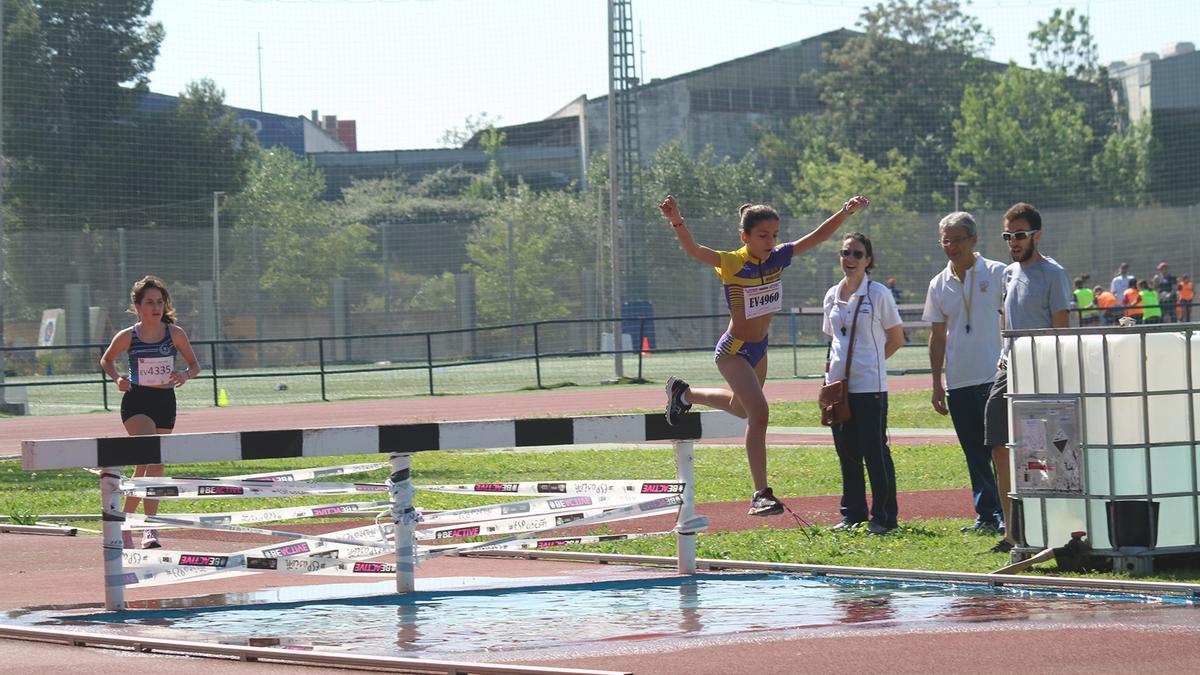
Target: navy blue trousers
(967, 406)
(863, 440)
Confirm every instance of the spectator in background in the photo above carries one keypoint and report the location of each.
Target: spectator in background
(1184, 309)
(1132, 301)
(1151, 310)
(1085, 304)
(1108, 304)
(1166, 285)
(1037, 294)
(962, 304)
(1122, 281)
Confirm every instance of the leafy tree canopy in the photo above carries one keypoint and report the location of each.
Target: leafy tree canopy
(1022, 137)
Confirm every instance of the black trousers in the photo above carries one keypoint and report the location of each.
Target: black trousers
(863, 440)
(967, 407)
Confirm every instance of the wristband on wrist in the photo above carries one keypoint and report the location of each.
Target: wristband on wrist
(679, 224)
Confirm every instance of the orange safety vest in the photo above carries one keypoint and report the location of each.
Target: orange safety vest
(1132, 302)
(1185, 291)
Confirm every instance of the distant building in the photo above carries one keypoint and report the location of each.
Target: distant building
(721, 106)
(1166, 87)
(298, 134)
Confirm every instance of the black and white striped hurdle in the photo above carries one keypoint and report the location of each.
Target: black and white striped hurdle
(399, 442)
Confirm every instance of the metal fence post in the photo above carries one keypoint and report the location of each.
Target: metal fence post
(103, 389)
(537, 358)
(212, 351)
(429, 359)
(795, 322)
(321, 366)
(641, 341)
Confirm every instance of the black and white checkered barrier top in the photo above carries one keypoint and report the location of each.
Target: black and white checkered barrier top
(326, 442)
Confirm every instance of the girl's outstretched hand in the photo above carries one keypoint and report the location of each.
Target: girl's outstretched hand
(855, 204)
(670, 209)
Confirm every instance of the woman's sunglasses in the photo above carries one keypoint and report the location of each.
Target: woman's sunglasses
(1020, 235)
(857, 255)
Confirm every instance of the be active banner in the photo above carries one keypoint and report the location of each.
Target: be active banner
(564, 487)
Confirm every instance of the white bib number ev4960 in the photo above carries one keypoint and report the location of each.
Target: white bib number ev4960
(763, 300)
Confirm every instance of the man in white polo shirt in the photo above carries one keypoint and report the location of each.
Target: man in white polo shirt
(963, 305)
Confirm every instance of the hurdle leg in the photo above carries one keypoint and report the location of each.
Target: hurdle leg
(405, 517)
(110, 538)
(685, 525)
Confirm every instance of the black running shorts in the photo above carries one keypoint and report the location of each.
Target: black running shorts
(156, 403)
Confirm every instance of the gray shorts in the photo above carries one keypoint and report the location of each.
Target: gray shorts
(995, 414)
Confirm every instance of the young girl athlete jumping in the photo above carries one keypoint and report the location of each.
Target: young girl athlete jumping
(753, 293)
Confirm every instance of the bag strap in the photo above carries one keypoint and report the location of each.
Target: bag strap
(853, 327)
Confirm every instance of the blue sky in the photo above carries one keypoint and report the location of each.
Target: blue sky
(407, 70)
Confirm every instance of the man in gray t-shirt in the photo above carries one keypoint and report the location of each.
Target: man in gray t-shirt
(1034, 291)
(1037, 294)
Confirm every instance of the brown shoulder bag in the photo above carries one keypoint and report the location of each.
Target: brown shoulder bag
(834, 397)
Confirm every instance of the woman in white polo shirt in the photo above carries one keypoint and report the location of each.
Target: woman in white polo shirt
(863, 439)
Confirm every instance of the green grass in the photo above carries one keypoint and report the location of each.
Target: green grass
(934, 544)
(906, 410)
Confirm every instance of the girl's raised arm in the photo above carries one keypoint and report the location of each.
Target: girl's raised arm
(704, 254)
(831, 224)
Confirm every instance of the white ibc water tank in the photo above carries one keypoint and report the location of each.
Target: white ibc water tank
(1150, 452)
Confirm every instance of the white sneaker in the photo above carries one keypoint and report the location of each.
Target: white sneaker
(150, 539)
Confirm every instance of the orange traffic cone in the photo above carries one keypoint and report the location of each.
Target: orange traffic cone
(645, 346)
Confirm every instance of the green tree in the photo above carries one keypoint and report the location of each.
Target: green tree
(1022, 137)
(490, 185)
(189, 152)
(1063, 44)
(74, 72)
(1122, 169)
(827, 175)
(302, 244)
(552, 238)
(898, 86)
(711, 187)
(425, 232)
(456, 137)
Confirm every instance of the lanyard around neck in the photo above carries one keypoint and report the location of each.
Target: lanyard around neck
(968, 298)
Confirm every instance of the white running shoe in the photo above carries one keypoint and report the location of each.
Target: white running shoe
(150, 539)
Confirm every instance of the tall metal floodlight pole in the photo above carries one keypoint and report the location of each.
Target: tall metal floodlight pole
(216, 259)
(614, 187)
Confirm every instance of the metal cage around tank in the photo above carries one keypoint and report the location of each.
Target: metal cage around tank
(1132, 390)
